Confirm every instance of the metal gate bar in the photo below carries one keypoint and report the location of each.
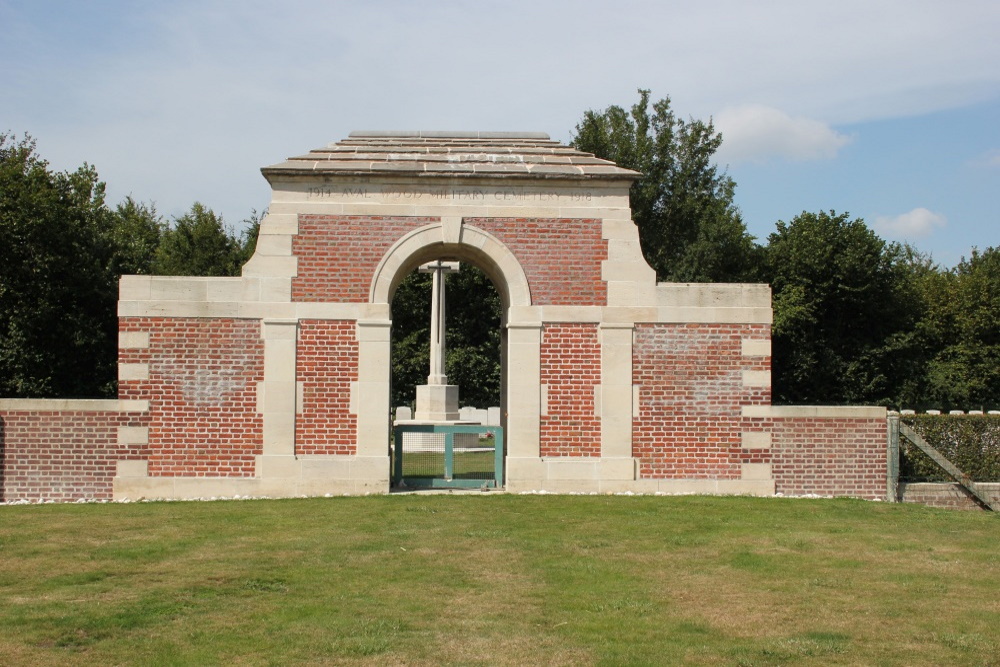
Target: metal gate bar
(426, 456)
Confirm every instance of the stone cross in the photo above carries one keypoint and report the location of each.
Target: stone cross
(439, 269)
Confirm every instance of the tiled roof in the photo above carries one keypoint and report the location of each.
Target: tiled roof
(452, 154)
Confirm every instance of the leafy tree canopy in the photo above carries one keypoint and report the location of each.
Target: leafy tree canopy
(960, 335)
(689, 228)
(57, 294)
(62, 252)
(198, 245)
(841, 310)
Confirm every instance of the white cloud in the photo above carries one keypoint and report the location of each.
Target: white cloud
(756, 133)
(918, 223)
(989, 159)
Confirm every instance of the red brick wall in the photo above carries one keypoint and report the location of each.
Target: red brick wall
(690, 397)
(571, 367)
(561, 258)
(945, 495)
(202, 393)
(135, 389)
(338, 255)
(65, 456)
(327, 364)
(827, 456)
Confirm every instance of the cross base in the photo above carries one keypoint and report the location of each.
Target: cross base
(437, 403)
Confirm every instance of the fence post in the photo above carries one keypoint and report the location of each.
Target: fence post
(892, 467)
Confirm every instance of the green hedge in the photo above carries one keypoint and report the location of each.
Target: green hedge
(971, 442)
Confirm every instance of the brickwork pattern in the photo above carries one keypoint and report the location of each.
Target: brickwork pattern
(945, 495)
(571, 368)
(337, 255)
(327, 365)
(691, 393)
(202, 393)
(827, 456)
(63, 456)
(561, 258)
(136, 389)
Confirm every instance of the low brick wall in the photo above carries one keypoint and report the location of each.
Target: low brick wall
(944, 494)
(825, 451)
(67, 450)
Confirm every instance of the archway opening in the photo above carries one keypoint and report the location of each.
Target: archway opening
(455, 391)
(473, 334)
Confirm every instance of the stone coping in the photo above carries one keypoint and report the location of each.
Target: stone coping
(445, 134)
(815, 411)
(72, 405)
(496, 155)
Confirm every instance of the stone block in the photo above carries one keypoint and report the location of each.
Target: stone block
(128, 372)
(756, 378)
(571, 469)
(279, 433)
(813, 411)
(623, 293)
(265, 266)
(131, 468)
(274, 245)
(279, 397)
(751, 347)
(370, 468)
(271, 466)
(522, 469)
(213, 487)
(755, 440)
(133, 435)
(326, 467)
(617, 469)
(133, 340)
(149, 488)
(134, 288)
(756, 471)
(641, 486)
(437, 403)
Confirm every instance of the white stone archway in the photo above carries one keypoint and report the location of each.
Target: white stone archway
(452, 239)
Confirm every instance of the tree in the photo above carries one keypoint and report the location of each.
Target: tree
(411, 316)
(842, 311)
(473, 349)
(134, 237)
(198, 245)
(248, 239)
(58, 332)
(689, 228)
(960, 335)
(62, 253)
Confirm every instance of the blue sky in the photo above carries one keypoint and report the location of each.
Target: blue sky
(884, 109)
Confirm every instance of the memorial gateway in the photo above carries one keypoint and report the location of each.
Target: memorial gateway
(277, 383)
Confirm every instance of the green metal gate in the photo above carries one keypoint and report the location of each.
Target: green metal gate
(442, 456)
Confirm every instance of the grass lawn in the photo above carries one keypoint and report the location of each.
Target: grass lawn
(499, 579)
(467, 465)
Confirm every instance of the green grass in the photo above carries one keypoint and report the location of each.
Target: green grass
(466, 465)
(499, 579)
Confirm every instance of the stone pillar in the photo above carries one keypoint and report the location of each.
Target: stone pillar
(437, 401)
(524, 404)
(371, 398)
(615, 405)
(277, 393)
